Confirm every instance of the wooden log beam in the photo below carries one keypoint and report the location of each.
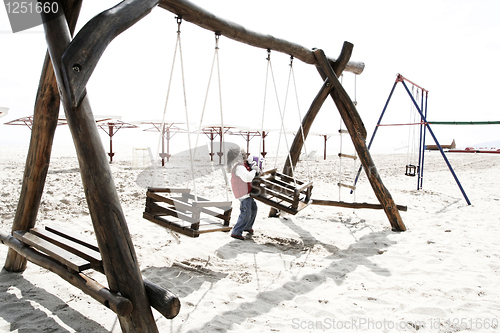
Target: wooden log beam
(111, 230)
(356, 205)
(202, 18)
(358, 135)
(84, 51)
(119, 304)
(163, 300)
(348, 111)
(45, 119)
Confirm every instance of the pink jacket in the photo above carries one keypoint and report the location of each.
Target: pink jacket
(242, 187)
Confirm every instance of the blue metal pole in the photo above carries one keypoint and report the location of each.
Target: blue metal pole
(421, 184)
(375, 130)
(420, 141)
(438, 145)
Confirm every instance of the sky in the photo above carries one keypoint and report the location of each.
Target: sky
(449, 47)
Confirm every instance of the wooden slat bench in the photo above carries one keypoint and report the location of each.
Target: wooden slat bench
(189, 215)
(69, 254)
(281, 191)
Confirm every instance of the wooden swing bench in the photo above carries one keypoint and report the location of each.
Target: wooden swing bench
(68, 255)
(195, 215)
(281, 191)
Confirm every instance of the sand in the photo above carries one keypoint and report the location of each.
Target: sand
(324, 269)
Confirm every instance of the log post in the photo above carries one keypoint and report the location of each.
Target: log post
(115, 244)
(46, 114)
(298, 141)
(357, 132)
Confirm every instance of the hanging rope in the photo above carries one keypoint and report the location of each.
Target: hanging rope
(281, 113)
(177, 48)
(162, 127)
(191, 157)
(215, 61)
(292, 74)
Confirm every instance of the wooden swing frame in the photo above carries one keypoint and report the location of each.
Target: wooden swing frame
(68, 66)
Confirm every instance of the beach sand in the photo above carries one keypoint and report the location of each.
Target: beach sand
(324, 269)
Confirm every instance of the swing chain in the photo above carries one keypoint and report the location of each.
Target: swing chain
(268, 55)
(291, 61)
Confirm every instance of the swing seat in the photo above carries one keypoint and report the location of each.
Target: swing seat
(411, 170)
(193, 215)
(281, 191)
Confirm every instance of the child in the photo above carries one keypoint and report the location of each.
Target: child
(242, 174)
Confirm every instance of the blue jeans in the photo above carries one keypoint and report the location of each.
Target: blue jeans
(248, 212)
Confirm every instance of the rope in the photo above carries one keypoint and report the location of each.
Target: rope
(300, 118)
(282, 116)
(215, 61)
(191, 157)
(162, 127)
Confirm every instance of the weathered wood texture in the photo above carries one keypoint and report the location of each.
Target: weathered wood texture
(78, 253)
(357, 132)
(37, 162)
(117, 251)
(281, 191)
(83, 53)
(164, 301)
(356, 205)
(308, 120)
(202, 215)
(120, 305)
(202, 18)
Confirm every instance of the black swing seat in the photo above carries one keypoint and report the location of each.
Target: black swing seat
(281, 191)
(193, 215)
(411, 170)
(75, 253)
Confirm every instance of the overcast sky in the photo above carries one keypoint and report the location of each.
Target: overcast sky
(449, 47)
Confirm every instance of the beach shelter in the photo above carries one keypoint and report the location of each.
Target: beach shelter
(28, 121)
(212, 131)
(111, 125)
(168, 131)
(249, 133)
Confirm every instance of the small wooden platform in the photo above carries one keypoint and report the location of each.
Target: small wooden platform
(189, 215)
(281, 191)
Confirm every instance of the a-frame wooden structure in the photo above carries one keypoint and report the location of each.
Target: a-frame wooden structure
(68, 66)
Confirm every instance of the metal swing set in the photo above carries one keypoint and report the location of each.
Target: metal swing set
(424, 126)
